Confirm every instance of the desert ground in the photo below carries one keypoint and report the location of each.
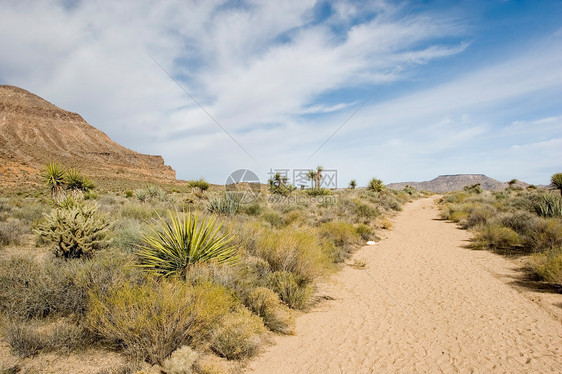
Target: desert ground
(424, 302)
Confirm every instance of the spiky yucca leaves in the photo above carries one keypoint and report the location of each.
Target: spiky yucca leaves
(353, 184)
(76, 230)
(53, 176)
(74, 180)
(376, 185)
(556, 182)
(174, 245)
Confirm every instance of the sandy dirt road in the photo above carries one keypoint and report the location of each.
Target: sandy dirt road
(424, 304)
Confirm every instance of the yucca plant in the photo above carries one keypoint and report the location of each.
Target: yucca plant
(549, 205)
(353, 184)
(556, 182)
(74, 180)
(175, 244)
(54, 176)
(228, 204)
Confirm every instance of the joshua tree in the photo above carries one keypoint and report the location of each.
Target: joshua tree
(54, 176)
(353, 184)
(512, 182)
(376, 185)
(312, 176)
(556, 182)
(319, 170)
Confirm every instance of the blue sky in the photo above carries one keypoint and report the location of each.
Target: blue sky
(479, 89)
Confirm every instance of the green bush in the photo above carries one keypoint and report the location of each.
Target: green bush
(175, 244)
(254, 209)
(127, 234)
(480, 215)
(548, 266)
(274, 219)
(152, 320)
(75, 231)
(498, 237)
(366, 232)
(343, 235)
(296, 292)
(138, 212)
(202, 184)
(239, 335)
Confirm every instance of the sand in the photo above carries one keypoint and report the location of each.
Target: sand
(424, 303)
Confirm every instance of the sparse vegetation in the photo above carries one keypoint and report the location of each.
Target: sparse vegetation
(166, 287)
(513, 221)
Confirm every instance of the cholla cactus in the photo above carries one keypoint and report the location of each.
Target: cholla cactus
(76, 230)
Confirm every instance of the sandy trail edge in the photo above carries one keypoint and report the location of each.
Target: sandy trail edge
(423, 304)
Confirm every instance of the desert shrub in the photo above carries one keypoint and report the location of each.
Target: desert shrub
(458, 216)
(295, 291)
(480, 215)
(138, 212)
(343, 235)
(239, 335)
(296, 251)
(389, 202)
(31, 213)
(181, 361)
(274, 219)
(106, 271)
(127, 234)
(548, 266)
(455, 197)
(364, 231)
(75, 231)
(549, 205)
(254, 209)
(475, 188)
(365, 211)
(175, 244)
(152, 320)
(386, 224)
(227, 205)
(212, 364)
(266, 304)
(30, 289)
(128, 194)
(11, 232)
(498, 237)
(201, 184)
(546, 235)
(30, 338)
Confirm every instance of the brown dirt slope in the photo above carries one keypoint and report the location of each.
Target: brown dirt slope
(424, 304)
(34, 132)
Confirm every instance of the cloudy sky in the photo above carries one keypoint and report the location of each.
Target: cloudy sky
(398, 90)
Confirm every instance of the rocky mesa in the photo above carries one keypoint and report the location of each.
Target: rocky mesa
(34, 132)
(448, 183)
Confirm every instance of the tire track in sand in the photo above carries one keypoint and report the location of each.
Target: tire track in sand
(446, 310)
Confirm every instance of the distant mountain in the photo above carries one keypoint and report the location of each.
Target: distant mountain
(34, 132)
(448, 183)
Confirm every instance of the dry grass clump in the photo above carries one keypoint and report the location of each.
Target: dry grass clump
(239, 335)
(11, 232)
(30, 338)
(211, 364)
